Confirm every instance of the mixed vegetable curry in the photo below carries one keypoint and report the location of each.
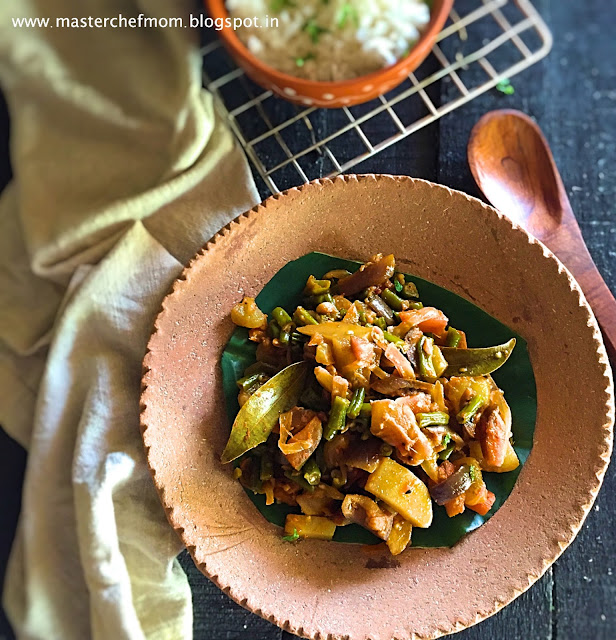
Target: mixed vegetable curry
(364, 407)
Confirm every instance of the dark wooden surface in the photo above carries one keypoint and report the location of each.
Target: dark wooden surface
(572, 94)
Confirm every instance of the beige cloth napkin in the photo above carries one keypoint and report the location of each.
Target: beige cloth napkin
(122, 171)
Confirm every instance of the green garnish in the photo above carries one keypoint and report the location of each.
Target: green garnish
(292, 538)
(505, 86)
(279, 5)
(398, 286)
(347, 12)
(300, 62)
(446, 440)
(314, 30)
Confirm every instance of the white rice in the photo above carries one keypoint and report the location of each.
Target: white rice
(331, 40)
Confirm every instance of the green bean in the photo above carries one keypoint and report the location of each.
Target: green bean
(316, 287)
(409, 291)
(366, 410)
(453, 337)
(285, 333)
(247, 382)
(281, 317)
(324, 297)
(426, 366)
(337, 417)
(267, 467)
(380, 323)
(434, 417)
(390, 337)
(303, 317)
(356, 402)
(311, 472)
(415, 305)
(299, 479)
(467, 414)
(393, 300)
(274, 329)
(445, 453)
(298, 338)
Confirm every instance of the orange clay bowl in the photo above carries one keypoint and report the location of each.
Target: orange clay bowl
(331, 590)
(330, 94)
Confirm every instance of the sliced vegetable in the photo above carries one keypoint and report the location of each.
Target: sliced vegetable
(303, 317)
(455, 485)
(428, 319)
(381, 308)
(337, 417)
(331, 330)
(311, 472)
(393, 300)
(368, 514)
(468, 412)
(260, 413)
(433, 417)
(356, 402)
(403, 491)
(316, 287)
(510, 462)
(281, 317)
(400, 536)
(371, 274)
(476, 362)
(309, 527)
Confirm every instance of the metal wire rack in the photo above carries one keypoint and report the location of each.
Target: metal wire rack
(483, 42)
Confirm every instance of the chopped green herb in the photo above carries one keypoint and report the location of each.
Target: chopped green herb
(398, 286)
(314, 30)
(279, 5)
(505, 86)
(347, 12)
(300, 62)
(292, 538)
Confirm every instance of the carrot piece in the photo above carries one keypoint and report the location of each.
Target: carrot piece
(428, 319)
(485, 505)
(455, 506)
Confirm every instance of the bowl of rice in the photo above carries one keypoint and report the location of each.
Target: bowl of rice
(328, 53)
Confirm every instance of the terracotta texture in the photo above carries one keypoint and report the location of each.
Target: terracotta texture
(330, 94)
(327, 590)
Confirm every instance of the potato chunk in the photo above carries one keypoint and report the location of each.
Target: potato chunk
(309, 527)
(400, 535)
(403, 491)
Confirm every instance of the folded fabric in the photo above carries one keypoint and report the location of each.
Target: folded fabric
(123, 169)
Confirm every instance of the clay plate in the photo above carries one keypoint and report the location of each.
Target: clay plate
(328, 590)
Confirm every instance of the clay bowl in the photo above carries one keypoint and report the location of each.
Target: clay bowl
(330, 94)
(328, 590)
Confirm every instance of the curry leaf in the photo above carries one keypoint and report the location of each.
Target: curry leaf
(261, 411)
(476, 362)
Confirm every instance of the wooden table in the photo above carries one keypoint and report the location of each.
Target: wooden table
(572, 94)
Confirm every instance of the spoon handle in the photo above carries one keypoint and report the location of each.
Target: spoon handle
(602, 302)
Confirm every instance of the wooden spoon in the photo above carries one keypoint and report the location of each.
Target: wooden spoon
(513, 166)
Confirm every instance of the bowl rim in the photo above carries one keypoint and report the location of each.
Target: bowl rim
(557, 545)
(421, 49)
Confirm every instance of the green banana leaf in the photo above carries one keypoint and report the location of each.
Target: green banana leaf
(516, 378)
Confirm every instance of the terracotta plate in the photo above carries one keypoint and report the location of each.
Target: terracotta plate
(327, 590)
